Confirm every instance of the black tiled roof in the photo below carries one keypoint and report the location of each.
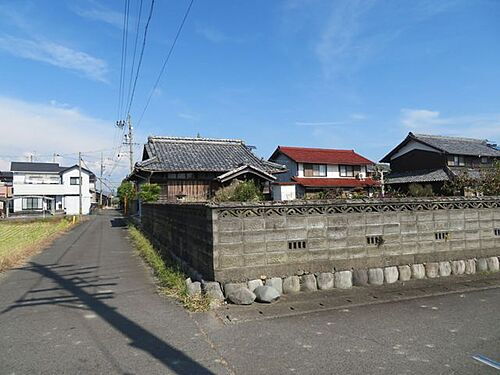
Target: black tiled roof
(423, 175)
(174, 154)
(19, 166)
(448, 145)
(458, 145)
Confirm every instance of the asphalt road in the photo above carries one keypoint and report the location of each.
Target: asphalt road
(88, 305)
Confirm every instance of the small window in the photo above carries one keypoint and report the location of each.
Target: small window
(314, 170)
(292, 245)
(441, 235)
(484, 160)
(349, 170)
(456, 161)
(375, 240)
(74, 181)
(496, 231)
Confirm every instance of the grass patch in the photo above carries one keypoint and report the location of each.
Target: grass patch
(171, 280)
(21, 239)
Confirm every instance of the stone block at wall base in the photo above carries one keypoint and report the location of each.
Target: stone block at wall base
(241, 296)
(252, 284)
(212, 290)
(444, 269)
(418, 271)
(291, 284)
(308, 283)
(470, 266)
(376, 276)
(231, 287)
(404, 273)
(391, 274)
(360, 277)
(458, 267)
(325, 280)
(432, 270)
(266, 294)
(493, 264)
(276, 283)
(482, 265)
(343, 279)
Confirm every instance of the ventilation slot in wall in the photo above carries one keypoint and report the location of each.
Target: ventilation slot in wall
(375, 240)
(441, 235)
(496, 231)
(292, 245)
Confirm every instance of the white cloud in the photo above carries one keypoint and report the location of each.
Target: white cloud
(188, 116)
(319, 123)
(57, 55)
(483, 126)
(216, 36)
(44, 129)
(102, 14)
(358, 116)
(340, 38)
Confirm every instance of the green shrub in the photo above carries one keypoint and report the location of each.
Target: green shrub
(239, 191)
(418, 190)
(149, 192)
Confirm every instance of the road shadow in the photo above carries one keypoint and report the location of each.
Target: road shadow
(118, 222)
(73, 281)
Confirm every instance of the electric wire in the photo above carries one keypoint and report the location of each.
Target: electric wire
(141, 55)
(169, 54)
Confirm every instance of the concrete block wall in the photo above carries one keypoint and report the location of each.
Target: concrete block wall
(251, 241)
(239, 242)
(182, 232)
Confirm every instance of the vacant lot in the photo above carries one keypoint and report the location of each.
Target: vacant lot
(19, 240)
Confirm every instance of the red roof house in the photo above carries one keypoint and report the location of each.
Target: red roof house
(317, 169)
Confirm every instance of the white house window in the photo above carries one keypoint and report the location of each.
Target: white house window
(32, 204)
(456, 161)
(349, 170)
(74, 181)
(314, 170)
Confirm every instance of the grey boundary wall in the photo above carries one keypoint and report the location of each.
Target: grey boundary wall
(238, 242)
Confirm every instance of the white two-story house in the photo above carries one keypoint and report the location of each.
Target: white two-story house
(48, 187)
(311, 170)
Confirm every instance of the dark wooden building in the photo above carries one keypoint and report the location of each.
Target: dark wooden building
(433, 159)
(194, 169)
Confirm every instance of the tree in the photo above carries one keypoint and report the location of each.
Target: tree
(126, 193)
(149, 192)
(490, 180)
(459, 184)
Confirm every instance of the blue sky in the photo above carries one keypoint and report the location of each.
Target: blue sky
(335, 74)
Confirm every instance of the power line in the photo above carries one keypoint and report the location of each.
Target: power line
(123, 58)
(179, 30)
(141, 54)
(135, 50)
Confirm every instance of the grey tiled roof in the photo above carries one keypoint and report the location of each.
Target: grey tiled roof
(19, 166)
(171, 154)
(458, 145)
(423, 175)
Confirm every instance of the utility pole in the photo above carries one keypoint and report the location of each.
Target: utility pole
(80, 182)
(130, 144)
(129, 139)
(100, 181)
